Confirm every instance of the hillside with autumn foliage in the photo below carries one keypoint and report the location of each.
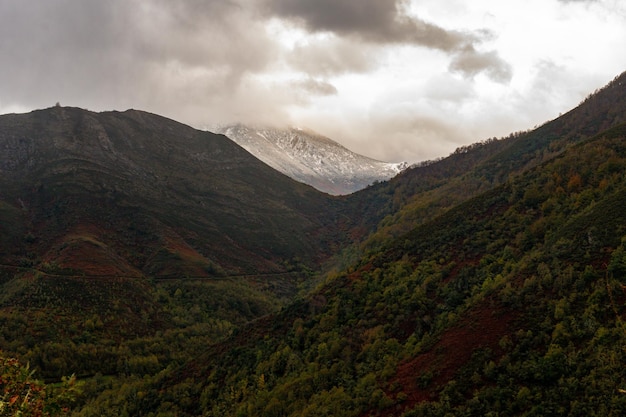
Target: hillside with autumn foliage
(510, 303)
(491, 282)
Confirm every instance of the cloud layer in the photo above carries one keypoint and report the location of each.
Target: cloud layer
(357, 70)
(387, 22)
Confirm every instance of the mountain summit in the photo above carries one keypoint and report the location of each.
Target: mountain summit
(312, 158)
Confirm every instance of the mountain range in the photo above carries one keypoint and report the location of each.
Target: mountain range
(311, 158)
(176, 274)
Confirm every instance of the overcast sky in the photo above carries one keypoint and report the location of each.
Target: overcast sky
(392, 79)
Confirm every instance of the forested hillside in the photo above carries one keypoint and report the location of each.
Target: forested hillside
(510, 303)
(492, 282)
(422, 193)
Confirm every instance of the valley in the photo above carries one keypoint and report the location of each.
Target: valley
(175, 274)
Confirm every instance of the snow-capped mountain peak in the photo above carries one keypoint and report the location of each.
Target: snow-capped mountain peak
(311, 158)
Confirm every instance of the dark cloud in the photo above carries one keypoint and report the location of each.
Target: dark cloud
(387, 22)
(339, 16)
(379, 21)
(470, 62)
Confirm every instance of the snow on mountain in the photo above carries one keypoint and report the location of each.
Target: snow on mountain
(312, 158)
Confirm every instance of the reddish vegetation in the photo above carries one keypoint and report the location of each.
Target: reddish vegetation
(460, 265)
(85, 251)
(175, 244)
(88, 257)
(177, 258)
(84, 254)
(358, 275)
(482, 327)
